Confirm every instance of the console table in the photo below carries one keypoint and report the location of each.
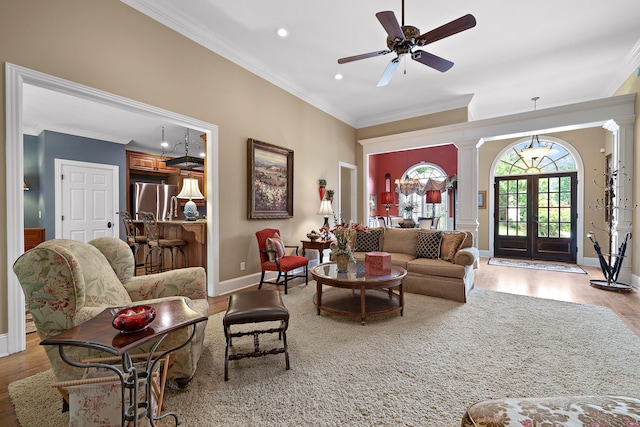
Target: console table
(98, 333)
(319, 244)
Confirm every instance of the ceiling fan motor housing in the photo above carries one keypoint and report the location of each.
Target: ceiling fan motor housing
(404, 46)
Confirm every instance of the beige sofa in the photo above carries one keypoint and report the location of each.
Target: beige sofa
(447, 273)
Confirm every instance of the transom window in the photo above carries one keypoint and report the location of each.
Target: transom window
(558, 159)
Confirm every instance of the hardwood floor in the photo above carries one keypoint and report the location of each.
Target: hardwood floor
(538, 283)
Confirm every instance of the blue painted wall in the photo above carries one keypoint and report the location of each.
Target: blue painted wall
(62, 146)
(32, 166)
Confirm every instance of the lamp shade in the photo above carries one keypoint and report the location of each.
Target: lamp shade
(190, 189)
(325, 208)
(386, 198)
(535, 149)
(434, 196)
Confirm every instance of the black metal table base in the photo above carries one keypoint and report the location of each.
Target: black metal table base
(610, 286)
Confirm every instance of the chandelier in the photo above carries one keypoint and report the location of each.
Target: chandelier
(182, 162)
(535, 149)
(407, 185)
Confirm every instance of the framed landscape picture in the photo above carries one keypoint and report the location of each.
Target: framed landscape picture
(269, 181)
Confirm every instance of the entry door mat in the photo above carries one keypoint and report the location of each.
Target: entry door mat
(537, 265)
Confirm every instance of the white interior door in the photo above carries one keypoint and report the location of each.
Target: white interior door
(86, 200)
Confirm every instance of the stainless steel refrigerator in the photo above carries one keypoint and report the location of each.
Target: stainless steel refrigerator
(156, 198)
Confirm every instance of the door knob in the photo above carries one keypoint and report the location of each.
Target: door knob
(109, 224)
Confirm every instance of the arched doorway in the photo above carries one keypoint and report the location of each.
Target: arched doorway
(535, 201)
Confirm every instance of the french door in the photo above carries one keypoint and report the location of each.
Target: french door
(535, 216)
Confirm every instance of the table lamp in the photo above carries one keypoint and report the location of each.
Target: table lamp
(326, 210)
(386, 198)
(190, 191)
(433, 197)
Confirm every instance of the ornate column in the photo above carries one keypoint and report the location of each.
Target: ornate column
(468, 186)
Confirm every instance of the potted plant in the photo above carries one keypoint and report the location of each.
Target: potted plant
(330, 194)
(408, 209)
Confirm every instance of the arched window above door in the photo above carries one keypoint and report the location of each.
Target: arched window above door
(513, 162)
(431, 177)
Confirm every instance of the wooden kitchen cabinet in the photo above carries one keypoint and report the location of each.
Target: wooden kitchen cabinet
(33, 237)
(148, 163)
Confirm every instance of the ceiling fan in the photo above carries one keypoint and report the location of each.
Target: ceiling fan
(403, 39)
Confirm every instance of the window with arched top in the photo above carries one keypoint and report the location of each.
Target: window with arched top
(516, 161)
(415, 205)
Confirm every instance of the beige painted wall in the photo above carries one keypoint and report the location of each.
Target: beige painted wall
(588, 143)
(632, 85)
(110, 46)
(443, 118)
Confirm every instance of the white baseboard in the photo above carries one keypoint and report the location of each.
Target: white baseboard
(238, 283)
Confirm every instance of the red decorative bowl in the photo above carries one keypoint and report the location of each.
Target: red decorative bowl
(134, 319)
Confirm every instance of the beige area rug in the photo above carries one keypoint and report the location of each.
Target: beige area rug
(422, 369)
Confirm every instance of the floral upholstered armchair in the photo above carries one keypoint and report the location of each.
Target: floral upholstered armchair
(67, 282)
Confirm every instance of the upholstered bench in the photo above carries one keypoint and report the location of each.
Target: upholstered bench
(579, 411)
(255, 307)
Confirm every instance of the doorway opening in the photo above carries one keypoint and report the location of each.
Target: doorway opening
(535, 204)
(16, 78)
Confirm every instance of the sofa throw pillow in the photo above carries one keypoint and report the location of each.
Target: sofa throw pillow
(369, 241)
(451, 242)
(428, 244)
(276, 244)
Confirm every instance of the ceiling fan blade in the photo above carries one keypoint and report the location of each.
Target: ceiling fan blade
(463, 23)
(362, 56)
(390, 24)
(388, 72)
(431, 60)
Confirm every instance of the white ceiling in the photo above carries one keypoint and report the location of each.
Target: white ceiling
(561, 51)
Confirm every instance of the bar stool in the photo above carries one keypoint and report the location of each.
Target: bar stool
(155, 243)
(133, 238)
(255, 307)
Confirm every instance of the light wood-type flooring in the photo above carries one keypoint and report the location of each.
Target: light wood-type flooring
(544, 284)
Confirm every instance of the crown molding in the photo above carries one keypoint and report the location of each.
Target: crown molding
(174, 19)
(629, 65)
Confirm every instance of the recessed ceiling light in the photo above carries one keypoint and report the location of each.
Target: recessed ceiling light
(338, 77)
(282, 32)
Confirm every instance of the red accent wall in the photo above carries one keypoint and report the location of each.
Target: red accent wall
(396, 163)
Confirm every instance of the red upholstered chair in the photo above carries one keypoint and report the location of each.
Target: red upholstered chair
(273, 258)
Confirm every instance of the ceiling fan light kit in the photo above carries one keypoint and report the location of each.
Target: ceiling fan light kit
(403, 39)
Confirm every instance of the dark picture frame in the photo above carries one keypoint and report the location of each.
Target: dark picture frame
(269, 181)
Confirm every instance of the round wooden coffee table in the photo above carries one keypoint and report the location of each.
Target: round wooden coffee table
(356, 293)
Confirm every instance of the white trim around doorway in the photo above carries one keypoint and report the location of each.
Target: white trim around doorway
(15, 77)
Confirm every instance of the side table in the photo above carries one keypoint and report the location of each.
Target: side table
(319, 244)
(98, 333)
